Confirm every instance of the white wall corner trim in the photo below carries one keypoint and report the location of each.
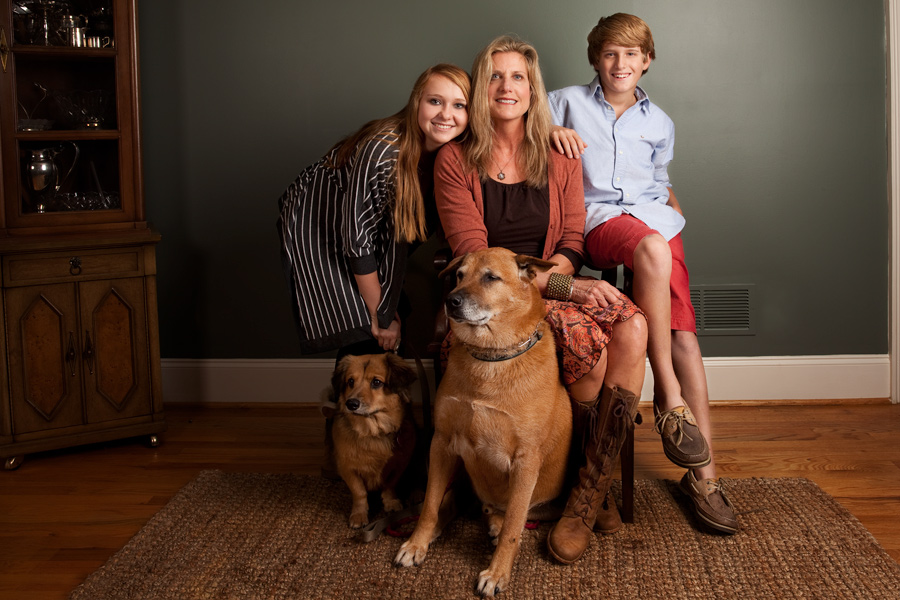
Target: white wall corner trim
(766, 378)
(893, 75)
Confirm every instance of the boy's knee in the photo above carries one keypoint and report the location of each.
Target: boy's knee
(685, 342)
(653, 254)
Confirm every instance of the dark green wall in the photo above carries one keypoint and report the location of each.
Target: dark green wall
(780, 158)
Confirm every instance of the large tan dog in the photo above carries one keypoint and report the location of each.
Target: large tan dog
(374, 431)
(500, 407)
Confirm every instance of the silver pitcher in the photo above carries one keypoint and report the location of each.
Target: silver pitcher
(42, 172)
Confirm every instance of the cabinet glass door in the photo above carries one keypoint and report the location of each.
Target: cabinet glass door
(67, 139)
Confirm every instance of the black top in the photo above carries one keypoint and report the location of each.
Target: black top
(516, 216)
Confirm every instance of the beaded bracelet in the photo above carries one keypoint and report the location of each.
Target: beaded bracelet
(559, 286)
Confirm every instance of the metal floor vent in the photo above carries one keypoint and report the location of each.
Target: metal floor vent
(723, 309)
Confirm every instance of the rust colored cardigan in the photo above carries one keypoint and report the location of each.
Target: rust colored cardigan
(461, 206)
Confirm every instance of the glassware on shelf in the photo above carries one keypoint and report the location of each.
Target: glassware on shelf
(30, 122)
(81, 109)
(40, 22)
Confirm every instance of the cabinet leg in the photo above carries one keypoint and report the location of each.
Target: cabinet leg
(13, 463)
(154, 441)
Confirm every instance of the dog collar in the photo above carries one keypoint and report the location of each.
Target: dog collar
(508, 353)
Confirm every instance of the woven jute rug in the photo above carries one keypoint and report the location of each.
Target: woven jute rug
(255, 536)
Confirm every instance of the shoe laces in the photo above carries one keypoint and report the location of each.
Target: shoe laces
(717, 485)
(679, 418)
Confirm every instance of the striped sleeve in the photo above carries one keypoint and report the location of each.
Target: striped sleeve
(368, 203)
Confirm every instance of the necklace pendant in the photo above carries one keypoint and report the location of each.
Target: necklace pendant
(501, 176)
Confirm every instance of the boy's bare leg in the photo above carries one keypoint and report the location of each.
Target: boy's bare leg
(688, 363)
(652, 266)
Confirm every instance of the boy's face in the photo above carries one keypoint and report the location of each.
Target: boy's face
(620, 68)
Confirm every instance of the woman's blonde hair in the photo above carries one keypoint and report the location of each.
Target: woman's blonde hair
(534, 152)
(409, 205)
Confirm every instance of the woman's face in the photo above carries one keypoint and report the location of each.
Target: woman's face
(509, 91)
(443, 113)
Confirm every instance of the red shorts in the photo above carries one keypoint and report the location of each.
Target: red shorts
(614, 243)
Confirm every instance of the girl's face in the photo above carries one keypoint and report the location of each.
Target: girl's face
(509, 91)
(443, 113)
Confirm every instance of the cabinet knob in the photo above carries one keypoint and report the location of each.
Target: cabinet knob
(75, 265)
(88, 353)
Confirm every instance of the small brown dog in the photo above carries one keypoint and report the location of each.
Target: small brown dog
(374, 431)
(500, 408)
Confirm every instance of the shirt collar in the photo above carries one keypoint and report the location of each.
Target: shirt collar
(597, 92)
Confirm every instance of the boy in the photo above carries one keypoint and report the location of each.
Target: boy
(634, 218)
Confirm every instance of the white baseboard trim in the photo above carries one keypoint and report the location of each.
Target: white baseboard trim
(761, 378)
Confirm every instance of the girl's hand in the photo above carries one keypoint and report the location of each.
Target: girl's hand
(567, 141)
(389, 337)
(595, 292)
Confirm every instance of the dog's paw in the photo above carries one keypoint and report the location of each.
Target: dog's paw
(495, 524)
(490, 584)
(359, 519)
(392, 505)
(410, 555)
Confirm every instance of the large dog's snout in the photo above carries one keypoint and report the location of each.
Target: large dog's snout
(454, 300)
(352, 404)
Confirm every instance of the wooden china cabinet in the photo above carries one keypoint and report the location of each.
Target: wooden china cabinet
(79, 358)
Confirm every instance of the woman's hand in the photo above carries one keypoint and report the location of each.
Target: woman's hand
(567, 141)
(389, 337)
(595, 292)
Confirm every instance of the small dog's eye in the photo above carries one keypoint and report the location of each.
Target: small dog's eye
(377, 384)
(350, 382)
(459, 275)
(490, 277)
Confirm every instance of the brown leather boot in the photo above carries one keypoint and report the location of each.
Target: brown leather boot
(611, 416)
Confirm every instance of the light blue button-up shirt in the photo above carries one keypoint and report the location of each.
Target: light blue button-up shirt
(625, 163)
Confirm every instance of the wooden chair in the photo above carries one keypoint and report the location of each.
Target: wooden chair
(442, 258)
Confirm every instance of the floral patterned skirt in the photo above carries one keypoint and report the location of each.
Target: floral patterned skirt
(581, 333)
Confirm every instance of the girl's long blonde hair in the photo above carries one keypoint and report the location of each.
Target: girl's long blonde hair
(409, 206)
(534, 152)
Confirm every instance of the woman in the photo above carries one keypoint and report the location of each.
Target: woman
(503, 187)
(347, 220)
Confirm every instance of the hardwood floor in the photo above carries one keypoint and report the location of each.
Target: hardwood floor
(63, 514)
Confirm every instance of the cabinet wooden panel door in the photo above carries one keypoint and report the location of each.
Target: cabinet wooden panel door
(115, 360)
(44, 370)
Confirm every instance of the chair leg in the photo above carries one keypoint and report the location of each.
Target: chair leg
(627, 467)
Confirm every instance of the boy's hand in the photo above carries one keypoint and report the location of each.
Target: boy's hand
(567, 141)
(595, 293)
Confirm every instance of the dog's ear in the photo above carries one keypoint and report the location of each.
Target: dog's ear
(401, 375)
(337, 378)
(452, 267)
(529, 265)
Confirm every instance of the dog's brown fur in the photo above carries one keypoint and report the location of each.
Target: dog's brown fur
(374, 432)
(509, 421)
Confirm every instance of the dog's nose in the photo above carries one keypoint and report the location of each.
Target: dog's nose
(454, 300)
(352, 404)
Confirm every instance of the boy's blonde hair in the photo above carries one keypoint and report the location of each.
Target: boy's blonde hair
(621, 29)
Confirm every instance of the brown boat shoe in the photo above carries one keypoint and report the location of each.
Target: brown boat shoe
(682, 441)
(711, 505)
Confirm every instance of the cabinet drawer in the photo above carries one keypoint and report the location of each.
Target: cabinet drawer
(29, 269)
